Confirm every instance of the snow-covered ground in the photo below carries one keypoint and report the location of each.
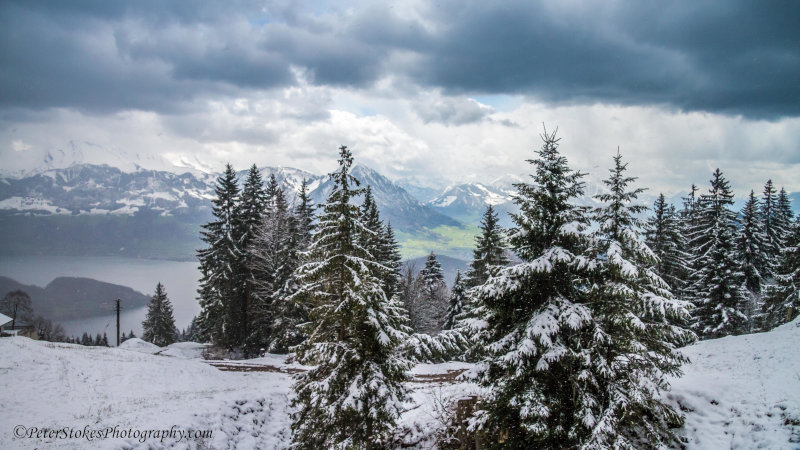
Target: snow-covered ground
(742, 392)
(738, 393)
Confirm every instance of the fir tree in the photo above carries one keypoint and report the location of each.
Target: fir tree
(751, 251)
(489, 251)
(431, 305)
(221, 289)
(272, 263)
(458, 300)
(537, 316)
(252, 203)
(783, 302)
(104, 341)
(783, 220)
(633, 344)
(390, 257)
(193, 332)
(288, 311)
(304, 213)
(159, 324)
(380, 242)
(718, 295)
(768, 215)
(488, 257)
(353, 395)
(664, 237)
(689, 219)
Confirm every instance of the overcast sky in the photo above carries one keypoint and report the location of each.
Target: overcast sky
(434, 92)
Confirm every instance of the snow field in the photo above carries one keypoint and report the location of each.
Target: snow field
(739, 392)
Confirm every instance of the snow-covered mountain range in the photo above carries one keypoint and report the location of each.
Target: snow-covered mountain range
(88, 189)
(467, 202)
(101, 208)
(66, 205)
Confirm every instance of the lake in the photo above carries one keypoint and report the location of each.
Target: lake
(180, 279)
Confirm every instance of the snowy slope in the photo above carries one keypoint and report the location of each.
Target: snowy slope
(64, 385)
(742, 392)
(738, 392)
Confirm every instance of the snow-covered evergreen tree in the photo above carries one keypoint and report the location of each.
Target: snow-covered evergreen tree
(664, 237)
(633, 343)
(768, 212)
(252, 203)
(192, 333)
(489, 255)
(431, 304)
(489, 250)
(390, 257)
(458, 299)
(220, 265)
(379, 240)
(783, 302)
(783, 220)
(689, 219)
(304, 215)
(273, 261)
(751, 250)
(354, 394)
(539, 376)
(159, 324)
(718, 294)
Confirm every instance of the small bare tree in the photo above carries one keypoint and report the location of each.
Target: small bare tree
(17, 304)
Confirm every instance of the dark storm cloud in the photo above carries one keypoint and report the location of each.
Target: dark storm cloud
(729, 57)
(721, 56)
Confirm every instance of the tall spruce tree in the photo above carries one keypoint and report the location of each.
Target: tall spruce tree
(458, 301)
(390, 257)
(718, 295)
(768, 213)
(688, 218)
(380, 242)
(664, 237)
(431, 305)
(489, 250)
(783, 301)
(783, 220)
(221, 287)
(354, 394)
(634, 341)
(489, 255)
(271, 266)
(304, 215)
(751, 251)
(538, 318)
(289, 310)
(253, 201)
(159, 324)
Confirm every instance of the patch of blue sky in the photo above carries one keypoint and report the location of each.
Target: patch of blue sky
(500, 102)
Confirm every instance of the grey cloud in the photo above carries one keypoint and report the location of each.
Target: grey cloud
(452, 111)
(731, 57)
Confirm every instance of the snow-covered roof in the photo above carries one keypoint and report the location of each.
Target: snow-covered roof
(4, 319)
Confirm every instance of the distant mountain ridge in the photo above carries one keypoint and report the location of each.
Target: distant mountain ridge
(90, 209)
(467, 202)
(67, 298)
(103, 210)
